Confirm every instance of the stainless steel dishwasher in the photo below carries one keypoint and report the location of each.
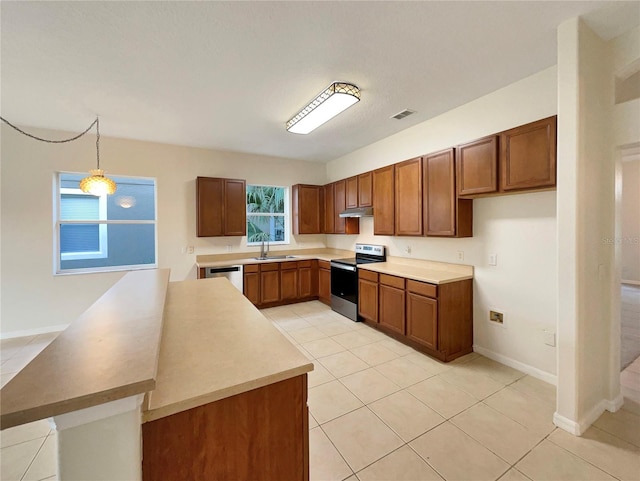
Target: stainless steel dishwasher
(233, 273)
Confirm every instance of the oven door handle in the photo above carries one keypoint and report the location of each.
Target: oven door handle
(343, 267)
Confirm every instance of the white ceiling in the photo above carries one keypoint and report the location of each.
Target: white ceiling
(228, 75)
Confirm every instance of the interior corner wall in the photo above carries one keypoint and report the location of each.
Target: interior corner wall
(32, 297)
(520, 229)
(586, 207)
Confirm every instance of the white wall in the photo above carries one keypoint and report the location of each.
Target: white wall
(32, 297)
(520, 229)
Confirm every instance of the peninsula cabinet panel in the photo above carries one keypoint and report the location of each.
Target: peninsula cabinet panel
(365, 189)
(352, 192)
(260, 434)
(329, 209)
(392, 303)
(269, 283)
(455, 319)
(422, 320)
(220, 207)
(251, 284)
(408, 193)
(384, 201)
(288, 281)
(308, 209)
(528, 156)
(477, 166)
(368, 295)
(444, 214)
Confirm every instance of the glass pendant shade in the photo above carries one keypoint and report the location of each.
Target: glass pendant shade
(97, 184)
(336, 98)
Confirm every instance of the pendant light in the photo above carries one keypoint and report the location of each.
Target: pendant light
(96, 184)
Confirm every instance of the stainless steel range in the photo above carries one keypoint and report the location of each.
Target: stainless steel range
(344, 278)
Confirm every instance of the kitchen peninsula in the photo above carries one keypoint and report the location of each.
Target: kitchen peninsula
(213, 371)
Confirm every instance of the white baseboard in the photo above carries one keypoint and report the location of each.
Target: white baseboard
(578, 428)
(520, 366)
(33, 332)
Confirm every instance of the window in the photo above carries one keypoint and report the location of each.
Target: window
(106, 233)
(267, 214)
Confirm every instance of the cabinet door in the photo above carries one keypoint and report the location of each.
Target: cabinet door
(251, 286)
(288, 281)
(384, 201)
(392, 308)
(308, 207)
(352, 192)
(329, 209)
(340, 203)
(209, 206)
(444, 214)
(235, 207)
(307, 279)
(365, 189)
(422, 320)
(408, 190)
(368, 299)
(528, 156)
(324, 285)
(477, 166)
(269, 283)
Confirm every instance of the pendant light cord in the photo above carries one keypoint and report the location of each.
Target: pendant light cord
(96, 122)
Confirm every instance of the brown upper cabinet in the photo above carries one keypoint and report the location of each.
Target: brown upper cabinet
(221, 208)
(308, 209)
(352, 192)
(408, 193)
(444, 214)
(340, 204)
(329, 209)
(384, 201)
(528, 156)
(477, 166)
(365, 191)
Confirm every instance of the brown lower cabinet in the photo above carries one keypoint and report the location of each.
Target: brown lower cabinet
(324, 280)
(276, 283)
(260, 434)
(434, 319)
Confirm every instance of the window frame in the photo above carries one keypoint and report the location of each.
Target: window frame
(57, 222)
(286, 215)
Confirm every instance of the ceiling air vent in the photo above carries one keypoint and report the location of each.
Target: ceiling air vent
(403, 114)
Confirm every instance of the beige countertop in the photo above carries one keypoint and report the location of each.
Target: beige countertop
(241, 258)
(110, 352)
(421, 270)
(216, 344)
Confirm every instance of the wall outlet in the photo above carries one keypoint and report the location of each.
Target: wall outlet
(190, 250)
(497, 317)
(460, 256)
(229, 247)
(407, 249)
(549, 338)
(493, 259)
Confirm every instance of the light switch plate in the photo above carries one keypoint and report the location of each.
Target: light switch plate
(493, 259)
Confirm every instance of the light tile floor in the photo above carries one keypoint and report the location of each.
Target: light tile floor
(381, 411)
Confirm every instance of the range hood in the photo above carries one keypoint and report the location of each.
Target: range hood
(357, 212)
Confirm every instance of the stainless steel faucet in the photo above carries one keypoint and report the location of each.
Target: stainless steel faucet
(263, 252)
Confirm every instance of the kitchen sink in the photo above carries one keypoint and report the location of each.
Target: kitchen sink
(268, 258)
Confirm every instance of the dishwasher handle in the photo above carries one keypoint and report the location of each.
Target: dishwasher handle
(212, 271)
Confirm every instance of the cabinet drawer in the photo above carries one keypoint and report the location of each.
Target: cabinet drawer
(422, 288)
(324, 264)
(271, 266)
(304, 263)
(392, 281)
(251, 268)
(288, 265)
(368, 275)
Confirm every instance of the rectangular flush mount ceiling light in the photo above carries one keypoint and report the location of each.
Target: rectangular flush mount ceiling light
(330, 102)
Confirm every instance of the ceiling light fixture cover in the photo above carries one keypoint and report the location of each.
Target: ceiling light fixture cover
(336, 98)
